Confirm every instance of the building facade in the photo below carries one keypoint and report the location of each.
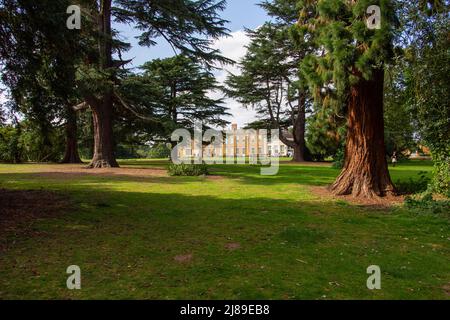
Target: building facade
(239, 143)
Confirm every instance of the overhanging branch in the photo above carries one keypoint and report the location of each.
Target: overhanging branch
(133, 111)
(82, 106)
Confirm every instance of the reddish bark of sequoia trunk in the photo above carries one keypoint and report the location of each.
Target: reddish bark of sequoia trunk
(365, 172)
(71, 155)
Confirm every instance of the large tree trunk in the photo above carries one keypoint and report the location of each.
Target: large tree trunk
(102, 109)
(71, 154)
(299, 154)
(102, 115)
(365, 172)
(299, 132)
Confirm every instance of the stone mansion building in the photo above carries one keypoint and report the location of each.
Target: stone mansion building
(241, 143)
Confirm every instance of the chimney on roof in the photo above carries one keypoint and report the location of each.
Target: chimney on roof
(234, 127)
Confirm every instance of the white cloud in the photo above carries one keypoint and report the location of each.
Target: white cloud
(234, 48)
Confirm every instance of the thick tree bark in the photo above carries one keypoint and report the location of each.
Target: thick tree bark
(365, 172)
(299, 154)
(299, 132)
(71, 154)
(102, 116)
(102, 109)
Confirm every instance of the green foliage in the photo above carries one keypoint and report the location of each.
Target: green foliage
(127, 152)
(188, 25)
(26, 142)
(264, 82)
(175, 93)
(413, 186)
(285, 12)
(339, 157)
(269, 81)
(427, 69)
(85, 135)
(11, 149)
(188, 170)
(398, 118)
(325, 133)
(426, 204)
(42, 59)
(159, 151)
(441, 172)
(351, 50)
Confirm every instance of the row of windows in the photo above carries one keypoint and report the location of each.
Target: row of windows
(244, 139)
(281, 149)
(242, 151)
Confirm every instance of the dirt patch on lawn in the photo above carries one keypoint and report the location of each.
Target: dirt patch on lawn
(377, 203)
(447, 289)
(215, 178)
(19, 209)
(184, 258)
(233, 246)
(61, 172)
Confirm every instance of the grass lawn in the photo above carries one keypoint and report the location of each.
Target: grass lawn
(236, 235)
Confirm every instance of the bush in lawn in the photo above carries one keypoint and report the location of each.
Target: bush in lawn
(159, 151)
(339, 157)
(426, 204)
(11, 149)
(413, 186)
(188, 170)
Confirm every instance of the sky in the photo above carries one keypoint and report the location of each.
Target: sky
(241, 14)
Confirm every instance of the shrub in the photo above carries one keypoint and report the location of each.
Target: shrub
(441, 173)
(159, 151)
(339, 158)
(11, 149)
(188, 170)
(426, 205)
(413, 186)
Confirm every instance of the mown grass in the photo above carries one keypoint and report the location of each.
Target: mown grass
(125, 232)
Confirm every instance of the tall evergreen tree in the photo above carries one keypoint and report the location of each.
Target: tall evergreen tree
(350, 63)
(270, 83)
(426, 68)
(189, 26)
(399, 124)
(176, 92)
(38, 55)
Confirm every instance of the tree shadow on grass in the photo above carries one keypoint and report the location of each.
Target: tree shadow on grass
(136, 238)
(89, 178)
(310, 175)
(302, 175)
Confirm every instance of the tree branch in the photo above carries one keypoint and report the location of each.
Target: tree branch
(82, 106)
(133, 111)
